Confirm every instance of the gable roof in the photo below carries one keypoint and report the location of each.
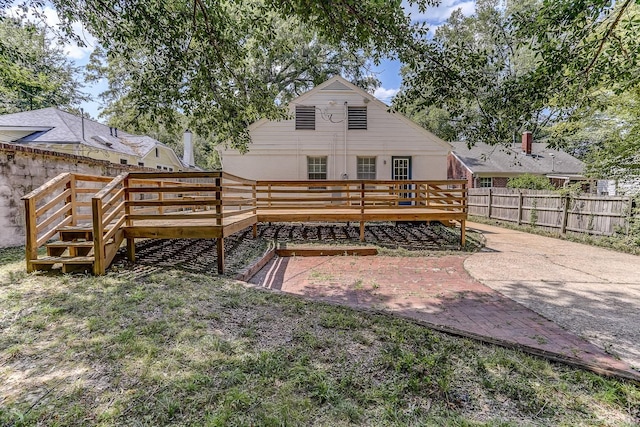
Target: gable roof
(54, 126)
(484, 158)
(340, 84)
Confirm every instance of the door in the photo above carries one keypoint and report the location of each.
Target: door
(401, 170)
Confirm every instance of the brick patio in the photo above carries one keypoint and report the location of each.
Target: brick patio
(434, 290)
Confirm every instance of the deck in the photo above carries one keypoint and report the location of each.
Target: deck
(92, 216)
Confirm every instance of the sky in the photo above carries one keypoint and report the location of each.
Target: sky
(388, 72)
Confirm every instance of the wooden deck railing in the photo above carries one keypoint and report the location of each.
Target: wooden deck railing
(109, 216)
(63, 201)
(369, 195)
(179, 196)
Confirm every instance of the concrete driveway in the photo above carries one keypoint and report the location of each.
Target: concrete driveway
(592, 292)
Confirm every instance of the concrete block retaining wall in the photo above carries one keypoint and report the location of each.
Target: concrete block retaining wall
(22, 169)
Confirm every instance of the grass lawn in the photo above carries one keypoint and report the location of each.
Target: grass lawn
(183, 348)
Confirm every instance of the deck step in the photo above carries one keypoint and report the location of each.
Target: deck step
(64, 260)
(69, 264)
(74, 248)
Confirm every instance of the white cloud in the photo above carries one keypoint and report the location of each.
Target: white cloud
(439, 14)
(385, 95)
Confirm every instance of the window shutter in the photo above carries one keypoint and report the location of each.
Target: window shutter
(305, 117)
(357, 117)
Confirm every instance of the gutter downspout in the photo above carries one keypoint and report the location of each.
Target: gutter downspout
(345, 175)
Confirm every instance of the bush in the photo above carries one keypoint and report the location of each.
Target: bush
(531, 182)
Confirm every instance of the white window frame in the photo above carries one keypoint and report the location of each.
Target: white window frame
(366, 167)
(316, 166)
(482, 181)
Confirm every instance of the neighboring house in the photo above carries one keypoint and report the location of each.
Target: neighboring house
(58, 131)
(339, 131)
(491, 166)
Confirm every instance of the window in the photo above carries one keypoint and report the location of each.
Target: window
(305, 117)
(485, 182)
(366, 168)
(123, 161)
(170, 169)
(357, 117)
(157, 152)
(140, 163)
(317, 167)
(159, 167)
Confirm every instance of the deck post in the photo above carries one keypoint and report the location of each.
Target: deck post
(31, 247)
(131, 249)
(362, 188)
(131, 244)
(463, 234)
(99, 267)
(220, 254)
(218, 181)
(71, 186)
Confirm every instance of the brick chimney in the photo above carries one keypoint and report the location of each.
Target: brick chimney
(527, 142)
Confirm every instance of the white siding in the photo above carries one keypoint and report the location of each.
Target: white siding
(279, 151)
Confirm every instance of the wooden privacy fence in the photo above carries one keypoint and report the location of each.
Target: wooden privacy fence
(602, 215)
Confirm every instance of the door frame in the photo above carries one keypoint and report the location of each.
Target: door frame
(409, 172)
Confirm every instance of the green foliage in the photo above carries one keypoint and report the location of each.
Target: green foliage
(530, 181)
(515, 66)
(34, 72)
(226, 64)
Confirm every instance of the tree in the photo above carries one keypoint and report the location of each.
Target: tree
(517, 66)
(33, 72)
(613, 137)
(203, 57)
(294, 60)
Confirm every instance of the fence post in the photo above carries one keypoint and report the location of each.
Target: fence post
(629, 215)
(520, 202)
(565, 214)
(490, 197)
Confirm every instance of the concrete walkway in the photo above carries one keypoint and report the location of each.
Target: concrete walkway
(592, 292)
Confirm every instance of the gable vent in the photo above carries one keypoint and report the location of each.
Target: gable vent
(357, 117)
(336, 86)
(305, 117)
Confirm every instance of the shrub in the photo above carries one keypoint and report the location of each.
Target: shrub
(531, 182)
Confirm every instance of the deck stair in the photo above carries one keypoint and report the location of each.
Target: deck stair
(73, 252)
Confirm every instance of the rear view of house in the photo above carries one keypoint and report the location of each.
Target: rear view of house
(339, 131)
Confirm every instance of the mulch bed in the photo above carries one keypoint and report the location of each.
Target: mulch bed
(241, 249)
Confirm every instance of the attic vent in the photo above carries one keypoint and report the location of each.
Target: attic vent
(357, 117)
(305, 117)
(335, 86)
(102, 140)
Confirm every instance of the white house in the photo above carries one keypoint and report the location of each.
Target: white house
(339, 131)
